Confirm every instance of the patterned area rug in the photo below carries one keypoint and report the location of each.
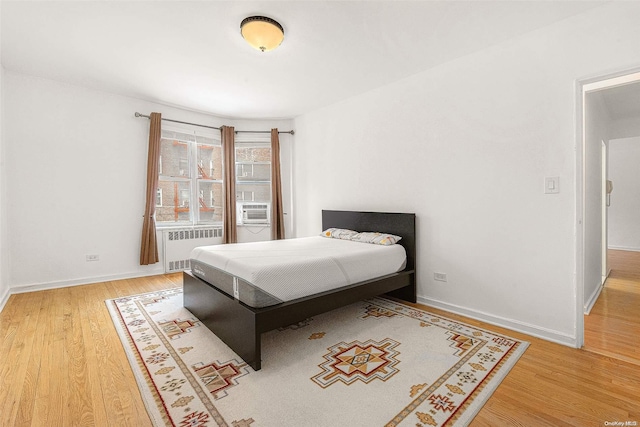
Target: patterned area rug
(373, 363)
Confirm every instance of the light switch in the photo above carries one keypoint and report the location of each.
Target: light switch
(552, 185)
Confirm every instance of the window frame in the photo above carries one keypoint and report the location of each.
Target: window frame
(192, 177)
(252, 141)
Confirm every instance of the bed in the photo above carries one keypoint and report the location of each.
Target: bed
(238, 313)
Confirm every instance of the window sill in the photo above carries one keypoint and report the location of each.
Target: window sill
(188, 226)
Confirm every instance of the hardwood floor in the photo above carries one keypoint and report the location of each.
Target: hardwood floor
(61, 363)
(613, 326)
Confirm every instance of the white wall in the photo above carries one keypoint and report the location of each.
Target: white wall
(4, 284)
(626, 128)
(624, 221)
(466, 146)
(75, 179)
(597, 129)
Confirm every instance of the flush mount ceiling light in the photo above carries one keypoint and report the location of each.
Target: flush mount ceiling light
(262, 33)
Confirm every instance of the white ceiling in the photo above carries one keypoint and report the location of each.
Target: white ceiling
(191, 54)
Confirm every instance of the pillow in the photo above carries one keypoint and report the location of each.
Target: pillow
(339, 233)
(376, 238)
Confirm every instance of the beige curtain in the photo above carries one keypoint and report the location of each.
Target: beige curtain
(277, 215)
(149, 247)
(228, 154)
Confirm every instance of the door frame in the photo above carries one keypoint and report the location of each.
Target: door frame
(582, 87)
(605, 211)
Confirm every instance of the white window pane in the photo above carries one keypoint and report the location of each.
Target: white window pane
(209, 160)
(178, 136)
(253, 152)
(174, 157)
(253, 192)
(176, 202)
(210, 201)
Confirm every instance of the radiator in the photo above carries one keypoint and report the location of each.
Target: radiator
(178, 244)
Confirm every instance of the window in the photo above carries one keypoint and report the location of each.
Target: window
(190, 181)
(253, 182)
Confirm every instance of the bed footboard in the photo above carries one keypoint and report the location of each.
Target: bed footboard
(228, 319)
(240, 326)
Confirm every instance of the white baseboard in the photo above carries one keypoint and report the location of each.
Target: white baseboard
(624, 248)
(3, 299)
(592, 299)
(82, 281)
(516, 325)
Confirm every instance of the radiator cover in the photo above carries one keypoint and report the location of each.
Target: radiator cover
(178, 243)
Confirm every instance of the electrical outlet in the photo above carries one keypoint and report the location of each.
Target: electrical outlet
(94, 257)
(441, 277)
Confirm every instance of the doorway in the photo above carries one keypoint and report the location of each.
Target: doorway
(605, 104)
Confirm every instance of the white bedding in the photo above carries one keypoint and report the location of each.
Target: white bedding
(294, 268)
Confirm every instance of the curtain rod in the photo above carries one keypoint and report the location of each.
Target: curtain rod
(291, 132)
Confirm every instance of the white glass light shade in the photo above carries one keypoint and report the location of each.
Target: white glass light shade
(262, 33)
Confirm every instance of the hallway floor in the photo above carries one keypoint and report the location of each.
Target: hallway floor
(613, 326)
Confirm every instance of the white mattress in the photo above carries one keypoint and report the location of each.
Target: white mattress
(295, 268)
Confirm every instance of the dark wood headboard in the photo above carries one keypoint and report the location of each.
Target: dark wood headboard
(400, 224)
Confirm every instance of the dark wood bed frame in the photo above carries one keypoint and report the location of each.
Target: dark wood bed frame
(240, 326)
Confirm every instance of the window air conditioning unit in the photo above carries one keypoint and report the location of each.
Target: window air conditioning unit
(254, 213)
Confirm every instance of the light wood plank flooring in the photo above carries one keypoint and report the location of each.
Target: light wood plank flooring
(61, 363)
(613, 326)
